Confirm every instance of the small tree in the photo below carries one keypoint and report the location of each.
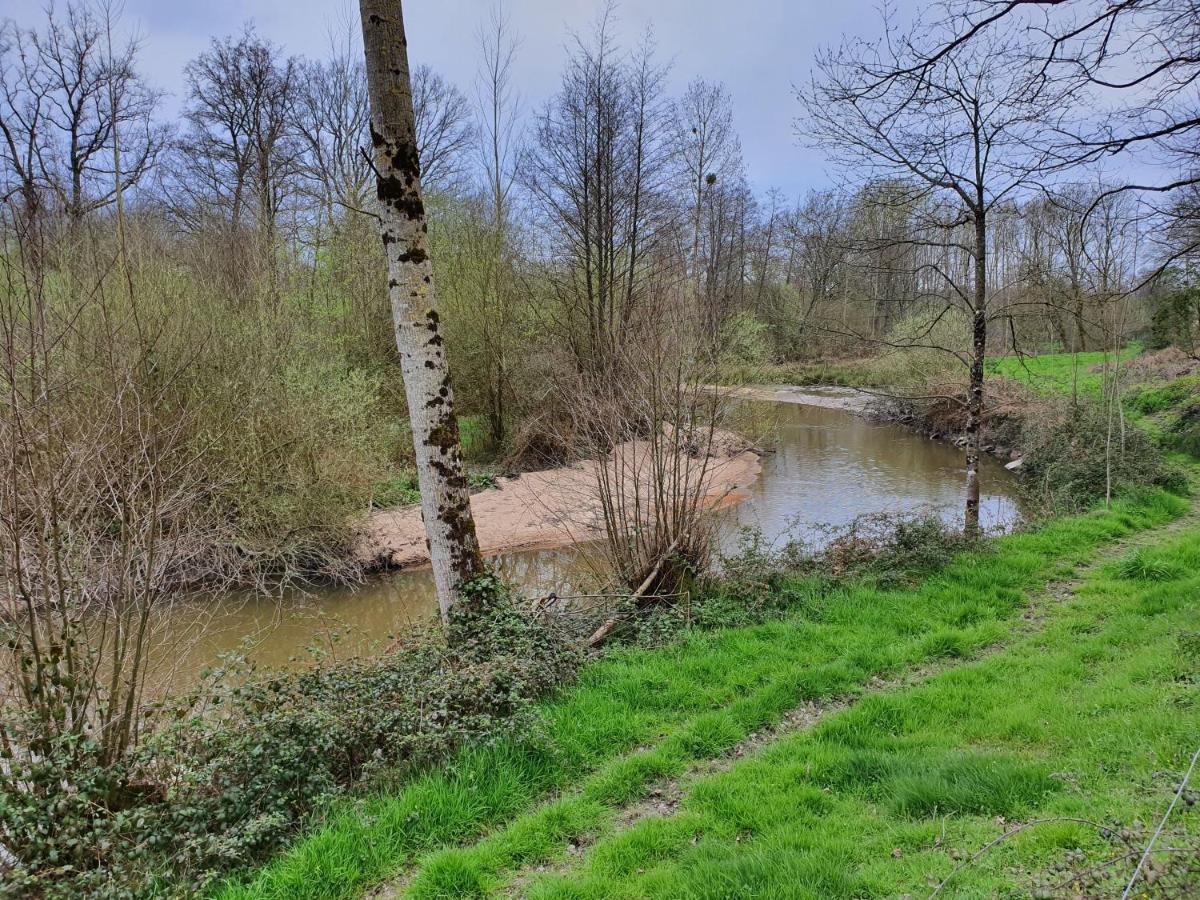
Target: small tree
(445, 499)
(958, 134)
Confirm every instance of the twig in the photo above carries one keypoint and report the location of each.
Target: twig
(1004, 837)
(1161, 825)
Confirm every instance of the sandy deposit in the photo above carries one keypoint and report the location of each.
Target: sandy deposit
(849, 399)
(555, 507)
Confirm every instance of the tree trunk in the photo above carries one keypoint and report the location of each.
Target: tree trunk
(975, 387)
(445, 499)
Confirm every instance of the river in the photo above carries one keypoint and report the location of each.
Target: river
(826, 466)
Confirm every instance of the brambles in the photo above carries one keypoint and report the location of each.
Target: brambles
(1073, 461)
(237, 767)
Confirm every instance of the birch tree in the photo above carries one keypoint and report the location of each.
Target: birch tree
(445, 499)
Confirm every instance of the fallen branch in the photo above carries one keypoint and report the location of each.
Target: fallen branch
(601, 634)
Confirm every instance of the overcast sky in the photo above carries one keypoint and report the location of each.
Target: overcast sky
(758, 48)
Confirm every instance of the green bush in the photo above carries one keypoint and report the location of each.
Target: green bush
(239, 769)
(1070, 463)
(1176, 312)
(745, 341)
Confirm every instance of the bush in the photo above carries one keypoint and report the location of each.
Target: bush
(914, 369)
(745, 341)
(1184, 435)
(894, 549)
(241, 768)
(1068, 459)
(1176, 313)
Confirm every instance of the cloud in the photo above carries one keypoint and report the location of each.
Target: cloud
(758, 48)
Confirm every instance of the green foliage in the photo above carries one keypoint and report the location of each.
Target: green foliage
(1146, 565)
(745, 341)
(954, 783)
(237, 772)
(1159, 397)
(641, 716)
(1070, 463)
(1175, 316)
(398, 490)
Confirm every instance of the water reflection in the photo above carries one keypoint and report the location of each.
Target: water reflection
(826, 466)
(830, 467)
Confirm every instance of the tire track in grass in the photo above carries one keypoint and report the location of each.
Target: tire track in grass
(555, 836)
(664, 800)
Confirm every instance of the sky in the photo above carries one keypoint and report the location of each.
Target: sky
(758, 48)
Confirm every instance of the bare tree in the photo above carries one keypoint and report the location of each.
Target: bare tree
(1139, 61)
(499, 109)
(726, 207)
(335, 115)
(709, 150)
(65, 91)
(959, 132)
(445, 500)
(239, 160)
(445, 128)
(22, 125)
(818, 251)
(597, 172)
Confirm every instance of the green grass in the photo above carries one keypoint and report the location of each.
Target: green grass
(641, 715)
(1167, 410)
(1093, 717)
(1058, 373)
(402, 489)
(848, 373)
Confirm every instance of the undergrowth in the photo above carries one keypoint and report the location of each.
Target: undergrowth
(641, 715)
(235, 768)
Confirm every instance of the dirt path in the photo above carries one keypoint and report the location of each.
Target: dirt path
(555, 507)
(663, 798)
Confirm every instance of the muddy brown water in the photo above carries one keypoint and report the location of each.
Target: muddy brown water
(826, 466)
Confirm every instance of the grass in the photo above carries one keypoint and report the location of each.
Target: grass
(1058, 373)
(1093, 717)
(640, 716)
(847, 372)
(402, 489)
(1167, 410)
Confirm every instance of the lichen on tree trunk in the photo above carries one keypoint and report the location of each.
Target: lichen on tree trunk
(445, 498)
(979, 327)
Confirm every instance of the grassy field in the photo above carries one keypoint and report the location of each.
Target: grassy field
(641, 717)
(1167, 409)
(1091, 719)
(1058, 373)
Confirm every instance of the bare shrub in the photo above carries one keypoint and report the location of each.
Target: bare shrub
(654, 436)
(102, 511)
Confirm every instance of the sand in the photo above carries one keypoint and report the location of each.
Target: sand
(849, 399)
(551, 508)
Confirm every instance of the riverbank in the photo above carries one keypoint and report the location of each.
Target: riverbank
(824, 396)
(936, 421)
(852, 715)
(630, 765)
(396, 762)
(558, 507)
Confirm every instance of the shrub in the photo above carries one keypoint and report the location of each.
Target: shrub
(1072, 461)
(240, 767)
(891, 548)
(745, 341)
